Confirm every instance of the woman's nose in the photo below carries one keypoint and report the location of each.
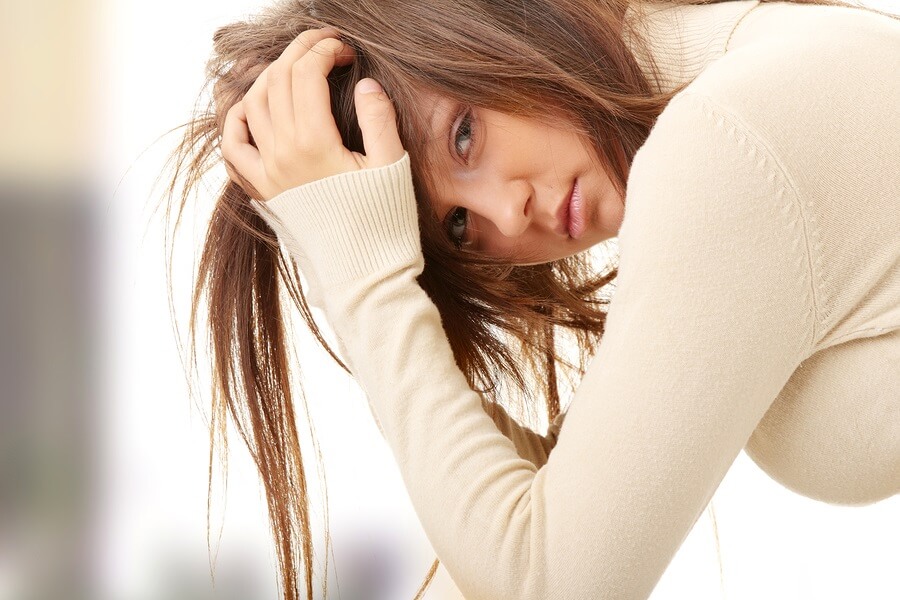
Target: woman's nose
(508, 206)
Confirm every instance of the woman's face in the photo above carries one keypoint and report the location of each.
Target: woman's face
(504, 185)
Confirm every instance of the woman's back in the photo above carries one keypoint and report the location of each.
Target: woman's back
(828, 81)
(818, 87)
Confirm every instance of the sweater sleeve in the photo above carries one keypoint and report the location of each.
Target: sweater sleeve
(712, 313)
(529, 444)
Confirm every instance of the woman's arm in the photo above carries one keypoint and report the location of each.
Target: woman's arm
(714, 309)
(529, 444)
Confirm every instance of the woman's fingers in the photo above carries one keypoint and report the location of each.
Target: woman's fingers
(237, 149)
(314, 123)
(255, 105)
(260, 101)
(280, 73)
(287, 112)
(378, 124)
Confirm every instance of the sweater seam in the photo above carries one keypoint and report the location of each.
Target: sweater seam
(855, 334)
(811, 238)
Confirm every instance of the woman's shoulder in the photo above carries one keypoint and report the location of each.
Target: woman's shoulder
(810, 25)
(811, 94)
(818, 87)
(785, 59)
(803, 129)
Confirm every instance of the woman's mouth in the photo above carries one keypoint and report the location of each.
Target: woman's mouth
(577, 222)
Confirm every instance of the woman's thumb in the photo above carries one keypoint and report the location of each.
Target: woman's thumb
(378, 123)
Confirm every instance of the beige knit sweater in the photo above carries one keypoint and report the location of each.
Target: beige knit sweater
(757, 307)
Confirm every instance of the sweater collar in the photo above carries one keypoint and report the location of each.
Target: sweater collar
(684, 40)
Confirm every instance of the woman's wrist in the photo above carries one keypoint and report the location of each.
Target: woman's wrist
(351, 225)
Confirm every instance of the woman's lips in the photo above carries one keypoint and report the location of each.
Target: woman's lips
(576, 220)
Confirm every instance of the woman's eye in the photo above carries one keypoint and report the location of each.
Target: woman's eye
(457, 221)
(462, 140)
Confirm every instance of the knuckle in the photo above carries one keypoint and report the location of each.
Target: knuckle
(260, 80)
(303, 146)
(276, 72)
(302, 43)
(331, 44)
(305, 70)
(298, 43)
(232, 172)
(378, 110)
(305, 38)
(250, 109)
(329, 47)
(253, 97)
(281, 161)
(283, 157)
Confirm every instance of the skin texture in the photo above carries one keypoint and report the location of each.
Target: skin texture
(511, 175)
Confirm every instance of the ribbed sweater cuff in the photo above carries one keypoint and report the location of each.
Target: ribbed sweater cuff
(352, 224)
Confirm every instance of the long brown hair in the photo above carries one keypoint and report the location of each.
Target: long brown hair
(509, 326)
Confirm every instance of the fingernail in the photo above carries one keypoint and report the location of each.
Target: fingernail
(368, 86)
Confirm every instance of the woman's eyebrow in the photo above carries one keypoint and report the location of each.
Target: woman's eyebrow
(432, 126)
(439, 124)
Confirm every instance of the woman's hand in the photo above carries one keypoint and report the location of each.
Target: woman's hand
(288, 112)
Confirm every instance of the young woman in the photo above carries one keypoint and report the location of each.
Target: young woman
(435, 171)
